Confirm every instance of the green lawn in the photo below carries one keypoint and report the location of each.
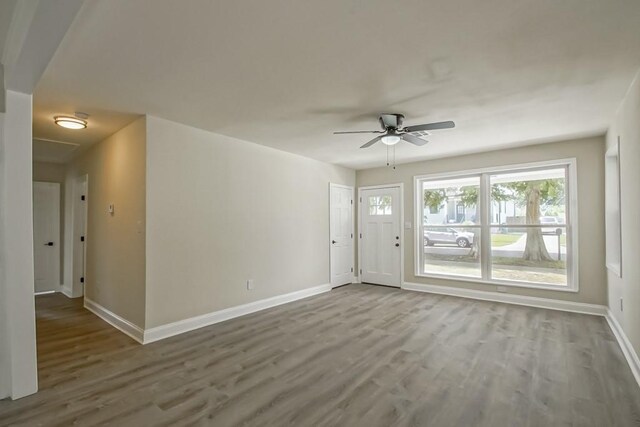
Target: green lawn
(503, 239)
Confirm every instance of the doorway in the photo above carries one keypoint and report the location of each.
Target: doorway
(79, 235)
(46, 236)
(381, 235)
(341, 234)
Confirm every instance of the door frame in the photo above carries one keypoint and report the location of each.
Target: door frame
(353, 230)
(58, 256)
(77, 288)
(400, 186)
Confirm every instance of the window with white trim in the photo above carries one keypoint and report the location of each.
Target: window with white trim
(508, 225)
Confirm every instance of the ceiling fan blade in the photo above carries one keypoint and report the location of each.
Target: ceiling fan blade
(430, 126)
(373, 141)
(413, 139)
(358, 131)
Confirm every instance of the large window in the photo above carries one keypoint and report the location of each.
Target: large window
(509, 226)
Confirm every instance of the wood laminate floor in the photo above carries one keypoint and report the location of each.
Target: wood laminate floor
(358, 356)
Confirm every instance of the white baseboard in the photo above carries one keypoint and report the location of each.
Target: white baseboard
(356, 279)
(114, 320)
(66, 292)
(627, 349)
(165, 331)
(552, 304)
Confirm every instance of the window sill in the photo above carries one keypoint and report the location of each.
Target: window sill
(449, 277)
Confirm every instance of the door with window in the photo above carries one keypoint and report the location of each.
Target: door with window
(46, 236)
(380, 236)
(341, 234)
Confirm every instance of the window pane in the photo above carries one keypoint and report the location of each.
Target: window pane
(533, 254)
(451, 201)
(380, 205)
(452, 251)
(529, 197)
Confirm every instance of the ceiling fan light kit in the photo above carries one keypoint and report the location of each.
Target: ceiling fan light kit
(393, 132)
(390, 139)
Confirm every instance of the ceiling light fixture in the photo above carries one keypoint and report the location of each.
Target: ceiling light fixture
(70, 122)
(390, 139)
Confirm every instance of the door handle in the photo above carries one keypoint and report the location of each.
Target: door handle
(49, 244)
(333, 242)
(397, 244)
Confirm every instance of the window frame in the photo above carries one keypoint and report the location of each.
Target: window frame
(485, 226)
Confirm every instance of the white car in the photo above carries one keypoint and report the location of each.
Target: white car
(550, 220)
(447, 236)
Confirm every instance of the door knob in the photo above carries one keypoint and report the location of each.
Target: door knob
(333, 242)
(397, 244)
(49, 244)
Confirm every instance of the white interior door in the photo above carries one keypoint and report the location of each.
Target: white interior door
(80, 200)
(380, 236)
(341, 234)
(46, 236)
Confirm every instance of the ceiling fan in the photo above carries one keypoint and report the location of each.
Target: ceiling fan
(393, 131)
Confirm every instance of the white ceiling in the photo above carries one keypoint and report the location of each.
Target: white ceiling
(286, 73)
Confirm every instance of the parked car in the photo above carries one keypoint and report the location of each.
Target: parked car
(447, 236)
(550, 220)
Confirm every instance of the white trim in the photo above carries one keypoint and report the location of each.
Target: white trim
(552, 304)
(44, 293)
(400, 186)
(627, 349)
(611, 236)
(66, 292)
(496, 282)
(181, 326)
(500, 168)
(356, 279)
(80, 187)
(114, 320)
(571, 226)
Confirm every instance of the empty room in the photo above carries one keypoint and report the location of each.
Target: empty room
(319, 213)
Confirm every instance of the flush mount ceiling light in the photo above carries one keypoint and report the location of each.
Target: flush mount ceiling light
(71, 122)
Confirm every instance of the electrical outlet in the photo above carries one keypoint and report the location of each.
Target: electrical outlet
(501, 288)
(250, 284)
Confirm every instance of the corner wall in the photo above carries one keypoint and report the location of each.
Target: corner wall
(115, 264)
(18, 369)
(589, 153)
(627, 125)
(222, 211)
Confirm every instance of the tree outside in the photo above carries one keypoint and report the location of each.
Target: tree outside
(533, 195)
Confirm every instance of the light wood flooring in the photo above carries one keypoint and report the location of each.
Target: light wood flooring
(360, 355)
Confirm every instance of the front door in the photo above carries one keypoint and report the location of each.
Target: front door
(380, 236)
(46, 236)
(341, 234)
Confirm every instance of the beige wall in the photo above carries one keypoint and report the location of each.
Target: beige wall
(627, 126)
(590, 170)
(115, 265)
(54, 172)
(222, 211)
